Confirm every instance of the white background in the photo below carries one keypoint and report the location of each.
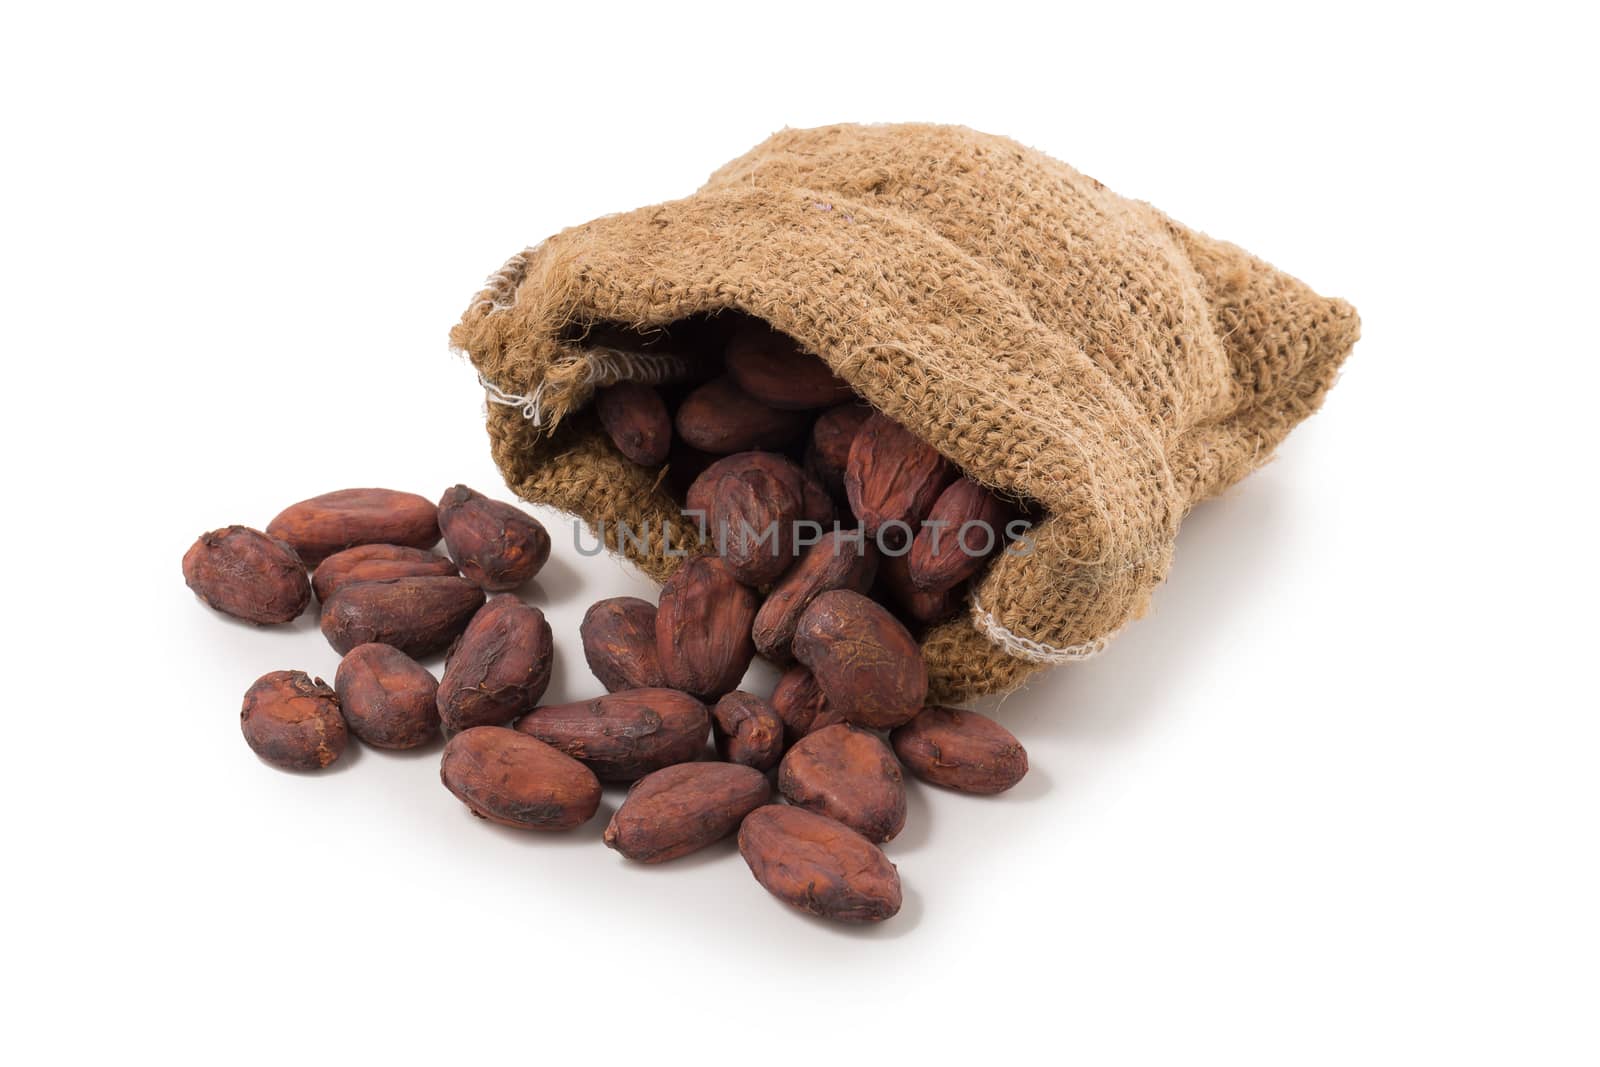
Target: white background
(1333, 801)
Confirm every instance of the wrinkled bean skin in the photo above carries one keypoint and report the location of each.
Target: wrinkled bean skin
(634, 416)
(965, 526)
(840, 560)
(960, 750)
(752, 525)
(371, 563)
(775, 370)
(246, 574)
(721, 418)
(498, 546)
(292, 721)
(518, 781)
(748, 730)
(682, 809)
(849, 775)
(323, 525)
(419, 616)
(624, 736)
(892, 475)
(619, 644)
(799, 702)
(816, 505)
(866, 662)
(703, 628)
(388, 698)
(819, 865)
(499, 668)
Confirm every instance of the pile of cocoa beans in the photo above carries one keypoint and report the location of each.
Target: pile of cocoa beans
(835, 534)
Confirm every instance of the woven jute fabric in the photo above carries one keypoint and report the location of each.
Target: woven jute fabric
(1060, 343)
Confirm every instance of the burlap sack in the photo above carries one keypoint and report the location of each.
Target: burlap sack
(1057, 341)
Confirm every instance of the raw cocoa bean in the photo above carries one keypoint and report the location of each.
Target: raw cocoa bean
(619, 643)
(388, 698)
(721, 418)
(915, 606)
(519, 781)
(819, 865)
(748, 730)
(499, 668)
(497, 545)
(892, 476)
(866, 662)
(842, 559)
(828, 450)
(752, 524)
(965, 526)
(960, 750)
(703, 628)
(849, 775)
(246, 574)
(635, 418)
(774, 369)
(370, 563)
(681, 809)
(292, 721)
(323, 525)
(626, 735)
(815, 504)
(799, 702)
(419, 616)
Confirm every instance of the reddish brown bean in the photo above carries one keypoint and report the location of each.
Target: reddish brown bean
(774, 369)
(292, 721)
(828, 451)
(635, 418)
(842, 559)
(499, 668)
(518, 781)
(819, 865)
(703, 628)
(960, 750)
(419, 616)
(624, 736)
(721, 418)
(323, 525)
(388, 698)
(371, 563)
(849, 775)
(682, 809)
(965, 526)
(866, 662)
(619, 644)
(892, 475)
(748, 730)
(497, 545)
(246, 574)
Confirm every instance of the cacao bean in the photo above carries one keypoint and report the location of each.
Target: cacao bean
(370, 563)
(892, 476)
(748, 730)
(849, 775)
(721, 418)
(842, 559)
(866, 662)
(497, 545)
(703, 628)
(323, 525)
(519, 781)
(819, 865)
(619, 643)
(828, 451)
(799, 702)
(681, 809)
(635, 418)
(419, 616)
(292, 721)
(246, 574)
(388, 698)
(774, 369)
(965, 526)
(499, 668)
(960, 750)
(752, 525)
(815, 504)
(626, 735)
